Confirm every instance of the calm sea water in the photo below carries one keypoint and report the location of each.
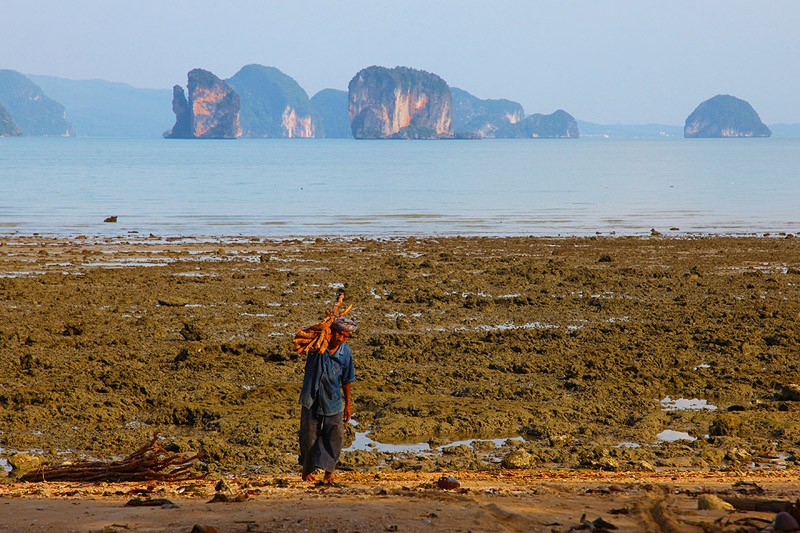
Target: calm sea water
(283, 188)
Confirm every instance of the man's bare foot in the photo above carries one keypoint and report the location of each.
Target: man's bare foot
(328, 479)
(309, 477)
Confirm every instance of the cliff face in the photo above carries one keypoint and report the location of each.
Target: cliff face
(399, 103)
(331, 115)
(724, 116)
(273, 104)
(473, 117)
(557, 125)
(7, 126)
(34, 113)
(210, 112)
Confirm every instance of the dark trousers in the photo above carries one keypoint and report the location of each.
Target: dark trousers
(320, 441)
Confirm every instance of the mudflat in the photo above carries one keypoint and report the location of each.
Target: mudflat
(490, 355)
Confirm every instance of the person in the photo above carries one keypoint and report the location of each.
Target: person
(327, 379)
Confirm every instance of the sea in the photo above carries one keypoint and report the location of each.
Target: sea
(347, 188)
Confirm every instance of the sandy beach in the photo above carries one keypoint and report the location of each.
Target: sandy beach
(520, 366)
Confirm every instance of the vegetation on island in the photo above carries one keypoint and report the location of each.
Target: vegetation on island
(32, 111)
(7, 126)
(265, 94)
(725, 116)
(331, 117)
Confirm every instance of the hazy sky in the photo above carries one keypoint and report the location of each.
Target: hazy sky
(607, 61)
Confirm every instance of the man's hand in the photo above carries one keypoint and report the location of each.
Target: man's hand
(346, 413)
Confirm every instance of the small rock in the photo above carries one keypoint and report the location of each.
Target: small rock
(199, 528)
(642, 466)
(110, 219)
(785, 522)
(221, 497)
(725, 424)
(448, 483)
(23, 463)
(710, 502)
(222, 486)
(790, 393)
(654, 232)
(519, 459)
(173, 302)
(151, 502)
(190, 332)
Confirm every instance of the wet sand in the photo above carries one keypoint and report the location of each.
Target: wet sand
(500, 501)
(569, 343)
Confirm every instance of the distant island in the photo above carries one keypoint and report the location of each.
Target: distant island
(273, 105)
(724, 116)
(399, 103)
(210, 112)
(381, 103)
(29, 108)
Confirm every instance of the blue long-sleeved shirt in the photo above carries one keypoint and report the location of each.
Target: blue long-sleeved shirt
(325, 374)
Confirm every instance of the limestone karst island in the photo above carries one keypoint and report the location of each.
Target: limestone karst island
(263, 102)
(724, 116)
(381, 103)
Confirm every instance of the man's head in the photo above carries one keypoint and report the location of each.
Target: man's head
(344, 323)
(341, 329)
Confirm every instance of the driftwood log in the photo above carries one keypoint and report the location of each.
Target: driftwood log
(151, 462)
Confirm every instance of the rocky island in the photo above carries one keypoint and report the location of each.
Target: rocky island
(273, 105)
(399, 103)
(211, 111)
(724, 116)
(30, 109)
(474, 117)
(331, 118)
(556, 125)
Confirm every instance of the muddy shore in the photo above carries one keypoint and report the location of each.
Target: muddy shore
(543, 353)
(485, 502)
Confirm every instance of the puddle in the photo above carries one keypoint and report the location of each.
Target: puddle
(511, 325)
(364, 443)
(683, 404)
(669, 435)
(626, 444)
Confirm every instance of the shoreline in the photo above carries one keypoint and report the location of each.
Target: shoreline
(136, 237)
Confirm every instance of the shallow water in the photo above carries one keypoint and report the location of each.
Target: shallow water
(347, 187)
(363, 442)
(684, 404)
(670, 435)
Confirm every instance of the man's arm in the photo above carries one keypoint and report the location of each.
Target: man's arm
(347, 411)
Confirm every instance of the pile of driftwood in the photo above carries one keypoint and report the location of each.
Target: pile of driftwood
(149, 463)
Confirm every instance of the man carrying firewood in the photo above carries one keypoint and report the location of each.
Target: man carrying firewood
(328, 375)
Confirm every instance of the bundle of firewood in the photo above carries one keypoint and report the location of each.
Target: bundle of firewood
(151, 462)
(317, 337)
